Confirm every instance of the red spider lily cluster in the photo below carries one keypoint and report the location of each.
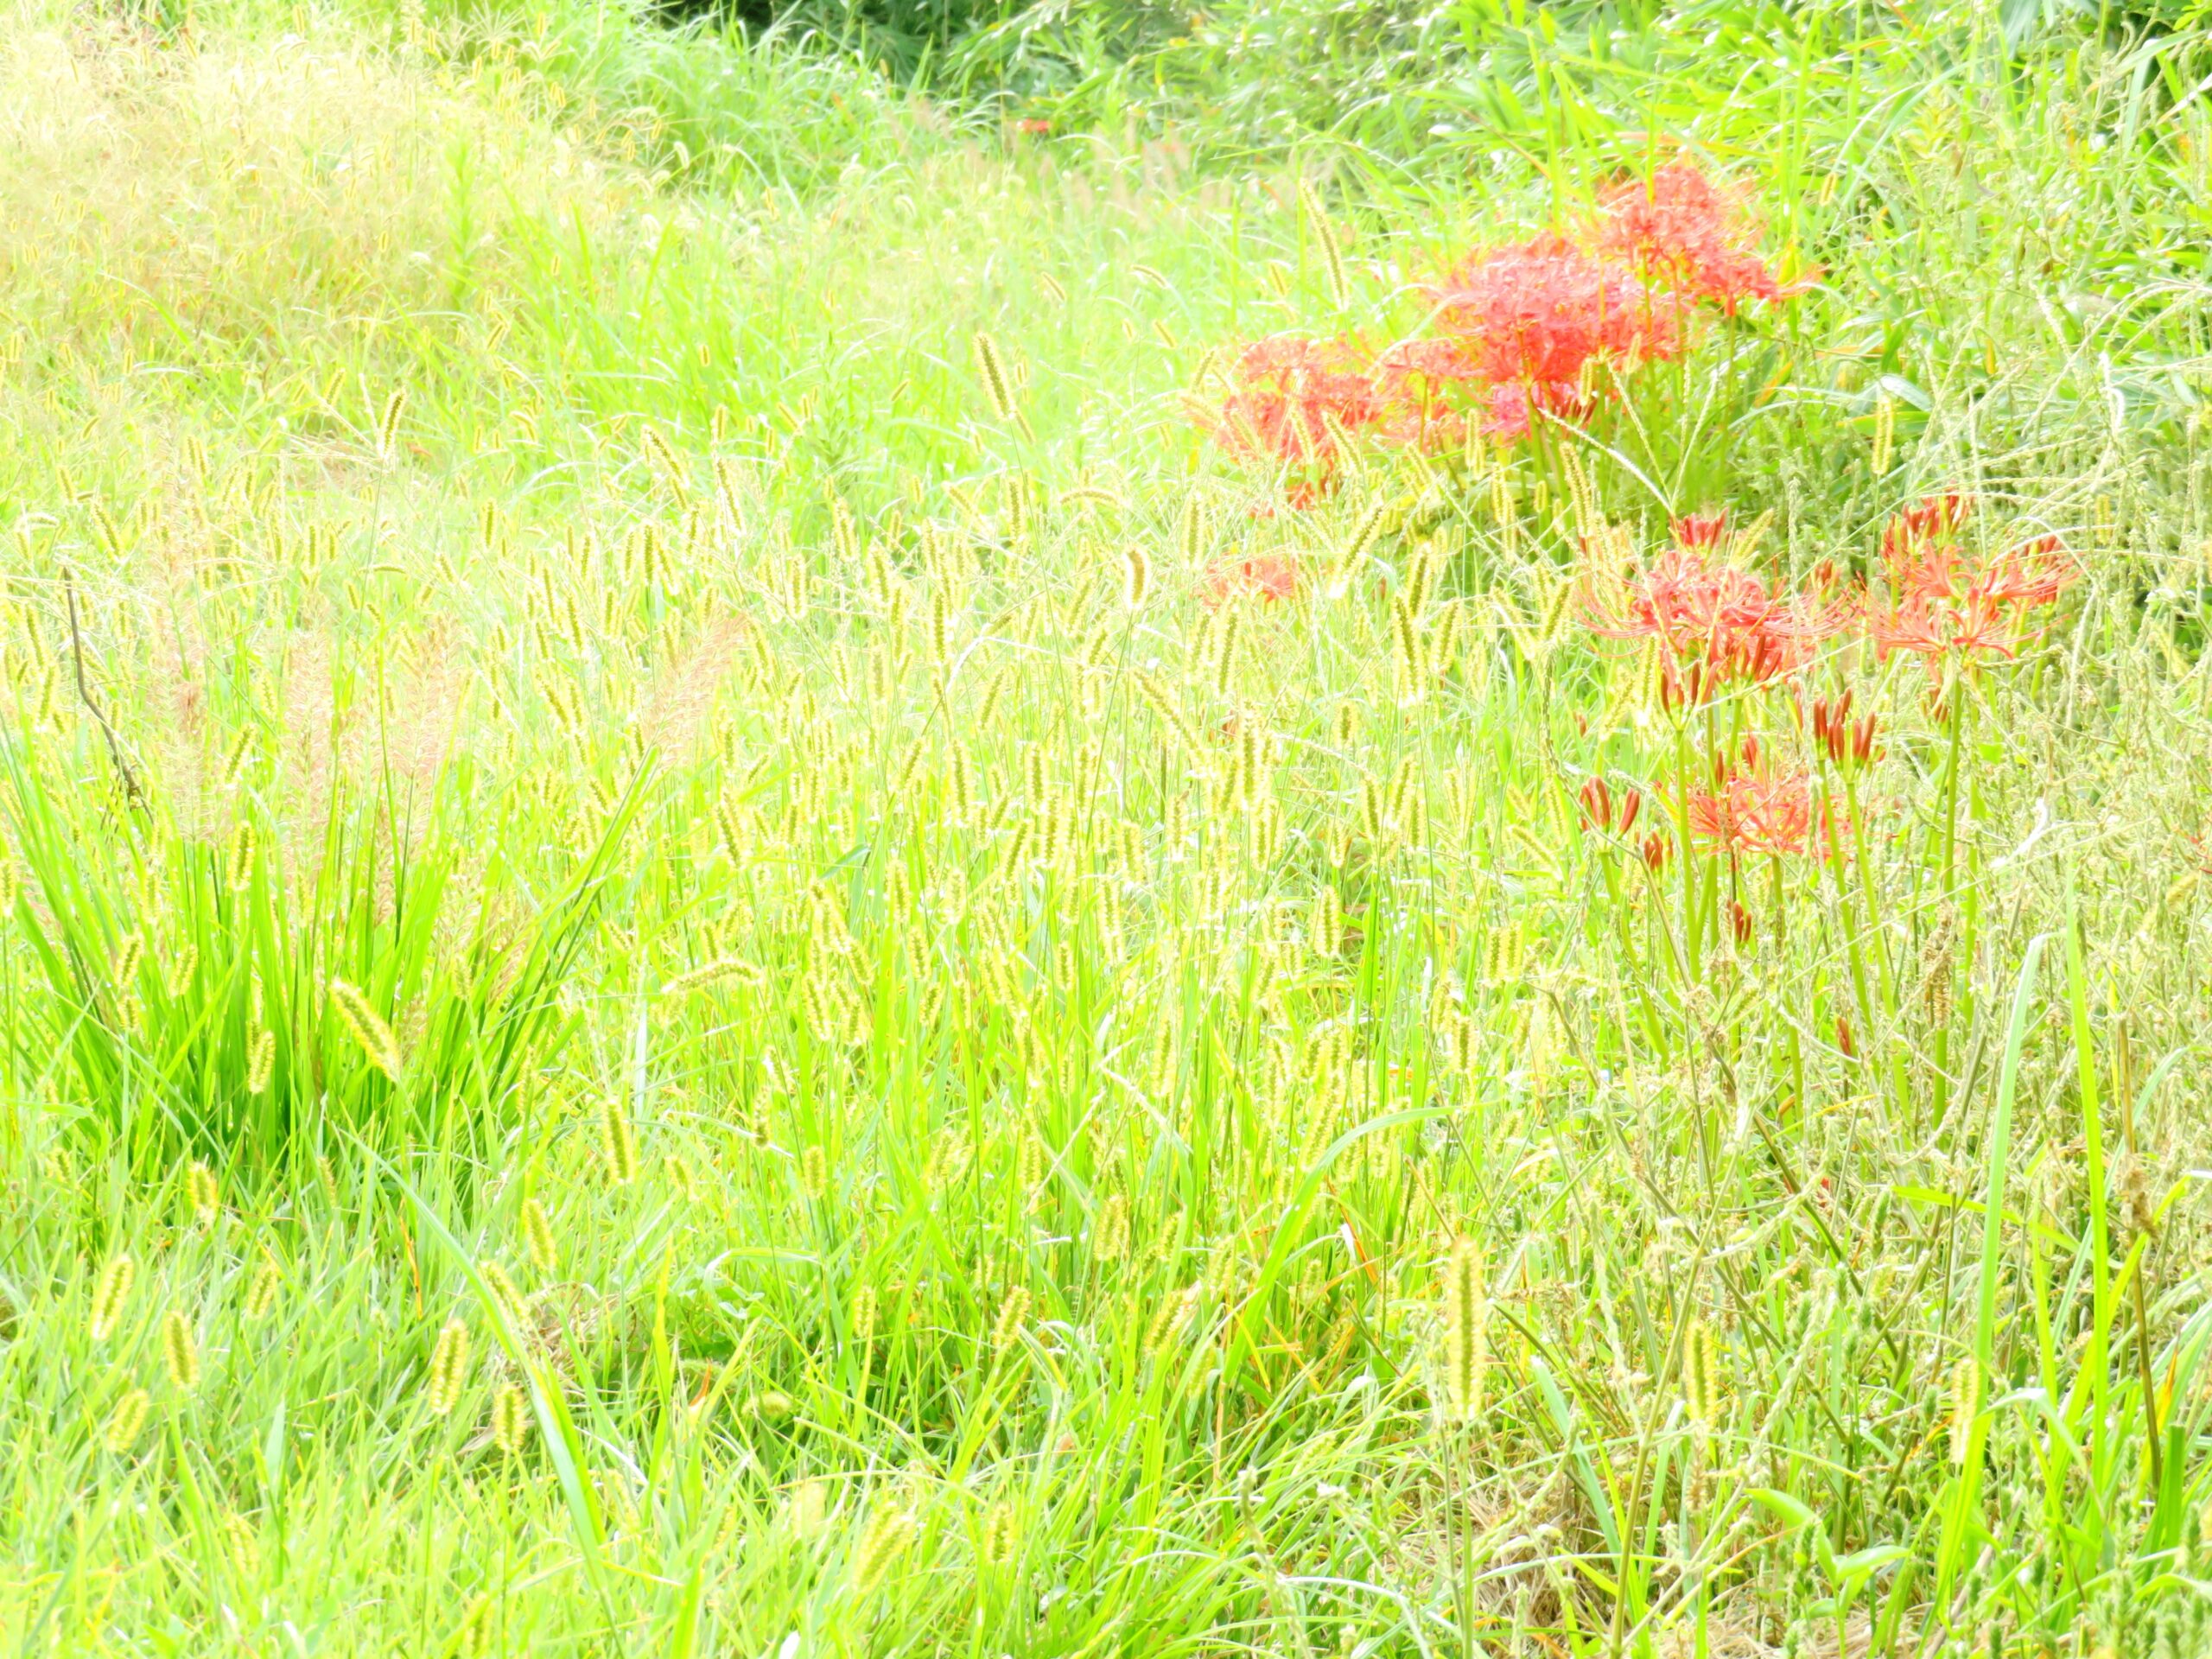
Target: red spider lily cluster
(1847, 743)
(1949, 604)
(1683, 235)
(1604, 814)
(1750, 809)
(1518, 333)
(1296, 402)
(1718, 626)
(1265, 576)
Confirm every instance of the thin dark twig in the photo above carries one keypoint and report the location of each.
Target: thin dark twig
(138, 796)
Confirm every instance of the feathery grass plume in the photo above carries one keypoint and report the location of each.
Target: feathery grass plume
(663, 456)
(1136, 577)
(998, 385)
(715, 969)
(510, 1419)
(1885, 434)
(1110, 1233)
(1466, 1315)
(1406, 653)
(179, 1353)
(1221, 669)
(1000, 1538)
(1324, 926)
(202, 1193)
(617, 1145)
(261, 1294)
(237, 867)
(260, 1062)
(1332, 257)
(1193, 533)
(505, 1291)
(1172, 1315)
(449, 1367)
(1966, 1405)
(110, 1291)
(814, 1173)
(1162, 704)
(881, 1542)
(538, 1237)
(177, 976)
(1704, 1389)
(473, 1637)
(1006, 1329)
(127, 1421)
(1581, 496)
(123, 967)
(845, 536)
(1366, 531)
(366, 1027)
(387, 434)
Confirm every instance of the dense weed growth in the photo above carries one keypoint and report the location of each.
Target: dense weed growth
(714, 942)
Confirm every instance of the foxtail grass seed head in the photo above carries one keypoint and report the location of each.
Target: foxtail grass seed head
(1704, 1387)
(1325, 234)
(261, 1062)
(387, 432)
(1000, 1539)
(998, 385)
(1110, 1233)
(510, 1419)
(449, 1367)
(127, 1421)
(1366, 531)
(537, 1238)
(617, 1144)
(1006, 1329)
(1136, 576)
(238, 864)
(1966, 1405)
(1466, 1315)
(110, 1291)
(473, 1638)
(1885, 434)
(123, 967)
(366, 1027)
(261, 1294)
(503, 1292)
(1193, 531)
(202, 1193)
(881, 1542)
(180, 1352)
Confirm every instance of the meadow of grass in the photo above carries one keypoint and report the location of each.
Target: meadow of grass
(716, 941)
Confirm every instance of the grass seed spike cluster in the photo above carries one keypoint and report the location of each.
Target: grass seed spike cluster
(1541, 995)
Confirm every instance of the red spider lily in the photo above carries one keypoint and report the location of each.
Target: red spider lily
(1604, 814)
(1749, 812)
(1928, 523)
(1270, 576)
(1529, 319)
(1413, 378)
(1833, 730)
(1717, 624)
(1295, 401)
(1952, 603)
(1934, 631)
(1696, 530)
(1678, 232)
(1657, 849)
